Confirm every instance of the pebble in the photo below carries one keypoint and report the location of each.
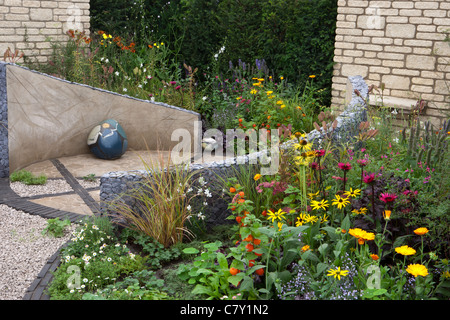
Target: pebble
(25, 251)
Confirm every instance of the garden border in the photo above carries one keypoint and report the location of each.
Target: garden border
(348, 122)
(115, 184)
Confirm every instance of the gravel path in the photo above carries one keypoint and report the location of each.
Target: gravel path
(50, 187)
(24, 250)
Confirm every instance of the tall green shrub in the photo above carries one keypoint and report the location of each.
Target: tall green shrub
(294, 37)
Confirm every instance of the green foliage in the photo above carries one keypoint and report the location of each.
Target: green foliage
(295, 37)
(155, 253)
(56, 227)
(141, 285)
(27, 178)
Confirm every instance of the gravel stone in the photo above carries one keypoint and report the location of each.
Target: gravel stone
(52, 186)
(24, 250)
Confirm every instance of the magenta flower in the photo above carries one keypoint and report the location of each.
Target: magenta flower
(344, 166)
(320, 153)
(314, 165)
(369, 178)
(362, 162)
(387, 197)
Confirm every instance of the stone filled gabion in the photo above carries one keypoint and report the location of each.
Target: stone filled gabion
(4, 155)
(115, 185)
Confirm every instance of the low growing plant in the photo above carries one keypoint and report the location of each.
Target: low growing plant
(56, 227)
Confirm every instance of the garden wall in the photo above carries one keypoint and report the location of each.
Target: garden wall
(43, 117)
(117, 186)
(400, 44)
(27, 25)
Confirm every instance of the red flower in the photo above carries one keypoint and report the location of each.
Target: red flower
(344, 166)
(387, 197)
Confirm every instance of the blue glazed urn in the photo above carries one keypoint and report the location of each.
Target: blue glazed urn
(108, 140)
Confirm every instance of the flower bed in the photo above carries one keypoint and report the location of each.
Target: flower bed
(366, 218)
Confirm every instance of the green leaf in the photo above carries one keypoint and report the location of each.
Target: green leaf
(310, 256)
(222, 260)
(323, 248)
(234, 280)
(331, 233)
(190, 251)
(321, 267)
(346, 223)
(204, 271)
(201, 289)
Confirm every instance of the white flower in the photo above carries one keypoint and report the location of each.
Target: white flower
(188, 207)
(125, 89)
(207, 193)
(205, 203)
(85, 280)
(200, 216)
(202, 181)
(204, 98)
(94, 227)
(116, 73)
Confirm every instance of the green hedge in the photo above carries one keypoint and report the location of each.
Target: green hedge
(294, 37)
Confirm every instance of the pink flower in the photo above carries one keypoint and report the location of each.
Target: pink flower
(363, 150)
(338, 178)
(369, 178)
(344, 166)
(320, 153)
(387, 197)
(362, 162)
(314, 165)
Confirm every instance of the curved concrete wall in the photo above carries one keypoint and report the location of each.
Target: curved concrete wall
(49, 118)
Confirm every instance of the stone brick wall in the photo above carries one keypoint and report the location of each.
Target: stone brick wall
(27, 25)
(400, 44)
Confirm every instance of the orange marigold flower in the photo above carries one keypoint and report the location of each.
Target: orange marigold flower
(421, 231)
